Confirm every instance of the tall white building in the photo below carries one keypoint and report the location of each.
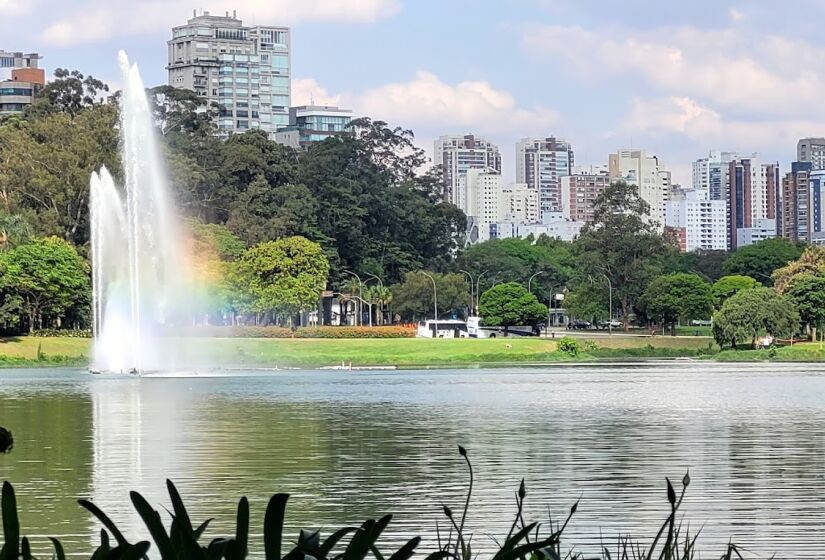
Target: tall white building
(811, 150)
(710, 174)
(245, 70)
(482, 203)
(541, 163)
(698, 223)
(457, 154)
(646, 172)
(520, 203)
(752, 193)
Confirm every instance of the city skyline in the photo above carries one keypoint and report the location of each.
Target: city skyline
(675, 82)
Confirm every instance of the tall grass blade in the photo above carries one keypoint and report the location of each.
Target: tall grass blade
(151, 518)
(406, 551)
(104, 519)
(59, 553)
(274, 526)
(11, 524)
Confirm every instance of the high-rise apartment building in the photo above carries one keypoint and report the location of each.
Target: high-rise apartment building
(752, 194)
(541, 163)
(457, 154)
(646, 172)
(696, 221)
(245, 70)
(710, 174)
(26, 79)
(482, 202)
(580, 190)
(811, 150)
(802, 209)
(520, 204)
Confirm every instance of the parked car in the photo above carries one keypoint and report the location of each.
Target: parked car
(614, 324)
(701, 323)
(578, 324)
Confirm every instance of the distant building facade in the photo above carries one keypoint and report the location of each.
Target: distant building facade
(696, 221)
(541, 163)
(710, 174)
(802, 204)
(244, 70)
(553, 224)
(482, 201)
(811, 150)
(520, 203)
(752, 193)
(26, 80)
(580, 190)
(313, 123)
(646, 172)
(458, 154)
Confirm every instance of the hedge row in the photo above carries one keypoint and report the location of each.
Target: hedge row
(70, 333)
(303, 332)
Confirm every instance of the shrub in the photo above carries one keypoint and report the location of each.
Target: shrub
(590, 346)
(70, 333)
(569, 346)
(301, 332)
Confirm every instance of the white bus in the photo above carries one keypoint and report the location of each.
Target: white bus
(443, 328)
(477, 331)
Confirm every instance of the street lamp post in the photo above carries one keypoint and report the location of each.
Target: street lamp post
(381, 284)
(435, 298)
(472, 290)
(358, 321)
(610, 304)
(530, 281)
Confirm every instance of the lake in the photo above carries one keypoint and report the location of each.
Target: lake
(353, 445)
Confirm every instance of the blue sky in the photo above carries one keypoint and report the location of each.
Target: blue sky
(676, 79)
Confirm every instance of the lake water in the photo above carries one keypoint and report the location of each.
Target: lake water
(353, 445)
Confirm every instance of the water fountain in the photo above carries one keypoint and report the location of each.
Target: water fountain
(138, 272)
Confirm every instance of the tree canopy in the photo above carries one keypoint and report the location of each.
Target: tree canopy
(727, 286)
(761, 259)
(509, 305)
(413, 298)
(676, 297)
(752, 313)
(807, 292)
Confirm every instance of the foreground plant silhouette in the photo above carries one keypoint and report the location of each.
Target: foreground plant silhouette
(181, 541)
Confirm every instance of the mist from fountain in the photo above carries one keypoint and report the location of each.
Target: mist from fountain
(139, 277)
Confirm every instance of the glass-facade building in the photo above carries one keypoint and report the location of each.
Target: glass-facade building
(245, 71)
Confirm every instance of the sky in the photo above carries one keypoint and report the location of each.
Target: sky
(675, 79)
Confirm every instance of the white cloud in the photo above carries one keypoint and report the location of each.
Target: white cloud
(674, 114)
(11, 8)
(736, 15)
(306, 91)
(94, 21)
(427, 100)
(732, 68)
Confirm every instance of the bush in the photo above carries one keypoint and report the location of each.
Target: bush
(405, 331)
(569, 346)
(69, 333)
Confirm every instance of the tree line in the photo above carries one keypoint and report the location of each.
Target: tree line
(358, 215)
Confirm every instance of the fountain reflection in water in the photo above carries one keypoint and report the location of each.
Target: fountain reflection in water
(139, 281)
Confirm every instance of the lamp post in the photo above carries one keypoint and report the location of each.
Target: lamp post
(530, 281)
(478, 288)
(435, 298)
(360, 295)
(474, 289)
(360, 300)
(381, 309)
(610, 304)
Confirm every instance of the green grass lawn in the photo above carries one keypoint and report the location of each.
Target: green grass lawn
(312, 353)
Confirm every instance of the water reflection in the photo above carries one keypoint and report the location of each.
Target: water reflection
(350, 446)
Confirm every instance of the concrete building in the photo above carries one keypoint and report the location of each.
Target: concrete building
(457, 154)
(697, 222)
(580, 190)
(20, 80)
(710, 174)
(520, 203)
(541, 163)
(245, 70)
(811, 150)
(482, 202)
(313, 123)
(646, 172)
(752, 193)
(760, 230)
(553, 224)
(802, 209)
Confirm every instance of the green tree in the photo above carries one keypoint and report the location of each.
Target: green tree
(70, 92)
(677, 297)
(509, 305)
(807, 292)
(181, 110)
(621, 244)
(14, 230)
(752, 313)
(587, 301)
(413, 298)
(43, 280)
(727, 286)
(810, 263)
(761, 259)
(282, 277)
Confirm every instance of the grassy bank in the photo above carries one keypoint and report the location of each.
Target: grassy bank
(314, 353)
